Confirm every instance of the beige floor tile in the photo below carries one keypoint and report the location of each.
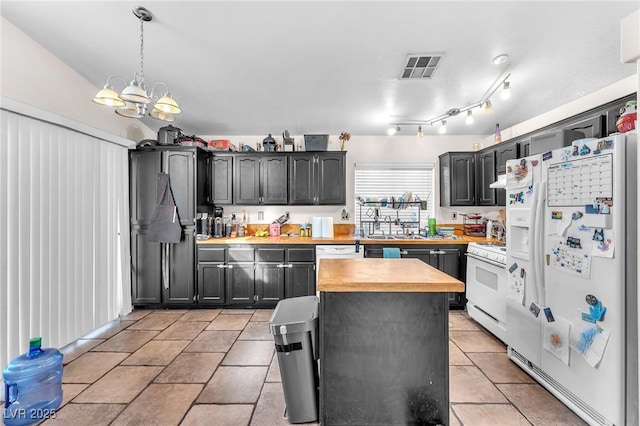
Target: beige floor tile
(499, 368)
(539, 406)
(256, 331)
(239, 311)
(218, 415)
(170, 311)
(159, 404)
(110, 329)
(476, 341)
(213, 341)
(196, 367)
(157, 352)
(489, 415)
(126, 341)
(456, 356)
(229, 322)
(182, 330)
(250, 352)
(234, 385)
(200, 315)
(84, 414)
(462, 322)
(74, 349)
(155, 321)
(270, 407)
(262, 315)
(71, 390)
(91, 366)
(273, 375)
(468, 384)
(453, 420)
(120, 385)
(136, 314)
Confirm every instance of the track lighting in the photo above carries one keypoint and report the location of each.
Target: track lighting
(469, 119)
(420, 132)
(393, 130)
(443, 127)
(506, 90)
(488, 108)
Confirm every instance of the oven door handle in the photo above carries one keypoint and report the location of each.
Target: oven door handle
(484, 259)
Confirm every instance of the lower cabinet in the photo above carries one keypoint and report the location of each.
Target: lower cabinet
(257, 276)
(449, 259)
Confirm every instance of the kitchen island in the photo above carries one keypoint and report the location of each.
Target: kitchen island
(384, 330)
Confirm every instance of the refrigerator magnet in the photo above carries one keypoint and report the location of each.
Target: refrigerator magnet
(588, 318)
(556, 215)
(513, 268)
(548, 314)
(534, 309)
(547, 156)
(576, 215)
(591, 299)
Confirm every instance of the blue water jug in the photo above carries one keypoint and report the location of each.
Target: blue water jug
(32, 385)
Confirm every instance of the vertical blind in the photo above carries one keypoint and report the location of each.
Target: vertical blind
(377, 183)
(64, 252)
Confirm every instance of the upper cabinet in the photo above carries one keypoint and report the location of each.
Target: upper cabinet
(457, 179)
(485, 176)
(278, 178)
(260, 179)
(504, 152)
(317, 178)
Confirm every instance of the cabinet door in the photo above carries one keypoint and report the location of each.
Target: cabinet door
(591, 127)
(300, 280)
(240, 283)
(181, 166)
(485, 176)
(181, 265)
(505, 152)
(462, 179)
(143, 181)
(301, 180)
(523, 148)
(211, 284)
(246, 183)
(269, 287)
(331, 188)
(145, 269)
(273, 179)
(221, 179)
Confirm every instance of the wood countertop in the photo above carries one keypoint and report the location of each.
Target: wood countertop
(384, 275)
(338, 239)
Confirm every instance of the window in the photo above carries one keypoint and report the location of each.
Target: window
(381, 191)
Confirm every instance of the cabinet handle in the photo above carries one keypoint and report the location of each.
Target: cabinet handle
(223, 266)
(404, 252)
(437, 252)
(284, 266)
(230, 266)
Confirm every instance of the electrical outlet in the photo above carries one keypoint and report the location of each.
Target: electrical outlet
(260, 215)
(454, 215)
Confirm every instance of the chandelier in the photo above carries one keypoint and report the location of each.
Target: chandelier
(134, 101)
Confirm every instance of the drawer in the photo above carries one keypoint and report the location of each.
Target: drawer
(270, 255)
(206, 254)
(303, 254)
(240, 255)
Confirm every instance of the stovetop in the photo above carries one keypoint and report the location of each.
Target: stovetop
(496, 251)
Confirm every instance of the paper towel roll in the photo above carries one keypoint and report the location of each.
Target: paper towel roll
(316, 227)
(327, 227)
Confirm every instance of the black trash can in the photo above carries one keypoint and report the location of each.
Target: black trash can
(294, 326)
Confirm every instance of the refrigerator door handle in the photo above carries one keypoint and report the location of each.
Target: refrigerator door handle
(539, 244)
(533, 248)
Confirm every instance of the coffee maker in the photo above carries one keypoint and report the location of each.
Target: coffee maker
(218, 227)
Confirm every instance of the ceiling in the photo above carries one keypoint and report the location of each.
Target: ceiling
(252, 68)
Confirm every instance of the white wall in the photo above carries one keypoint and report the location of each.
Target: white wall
(33, 76)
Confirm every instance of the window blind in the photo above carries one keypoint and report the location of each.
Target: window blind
(378, 183)
(64, 252)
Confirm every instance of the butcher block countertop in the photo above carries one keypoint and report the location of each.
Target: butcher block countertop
(384, 275)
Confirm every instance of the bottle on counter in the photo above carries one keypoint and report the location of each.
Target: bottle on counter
(489, 228)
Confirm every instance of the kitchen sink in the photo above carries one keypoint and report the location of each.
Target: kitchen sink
(380, 237)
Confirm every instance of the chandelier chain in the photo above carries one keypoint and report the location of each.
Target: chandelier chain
(141, 51)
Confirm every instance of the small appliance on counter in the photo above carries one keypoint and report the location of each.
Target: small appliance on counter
(168, 135)
(274, 229)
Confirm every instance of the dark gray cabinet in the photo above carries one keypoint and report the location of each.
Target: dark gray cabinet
(317, 178)
(504, 152)
(457, 179)
(300, 279)
(270, 275)
(446, 258)
(221, 178)
(485, 176)
(240, 276)
(211, 276)
(187, 169)
(523, 147)
(591, 127)
(260, 179)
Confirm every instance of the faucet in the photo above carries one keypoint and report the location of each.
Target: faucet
(384, 219)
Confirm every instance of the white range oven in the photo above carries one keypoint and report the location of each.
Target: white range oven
(487, 286)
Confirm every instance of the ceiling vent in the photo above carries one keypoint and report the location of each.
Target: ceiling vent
(420, 66)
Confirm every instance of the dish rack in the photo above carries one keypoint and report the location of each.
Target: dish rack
(472, 224)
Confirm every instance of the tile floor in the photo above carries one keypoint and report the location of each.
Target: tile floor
(217, 367)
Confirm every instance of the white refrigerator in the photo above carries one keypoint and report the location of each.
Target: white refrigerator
(571, 275)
